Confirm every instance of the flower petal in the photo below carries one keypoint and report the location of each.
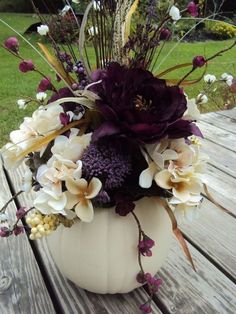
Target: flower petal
(71, 200)
(84, 210)
(75, 186)
(94, 188)
(147, 175)
(162, 179)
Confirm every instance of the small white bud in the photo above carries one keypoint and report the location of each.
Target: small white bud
(202, 99)
(208, 78)
(22, 104)
(43, 30)
(41, 96)
(174, 13)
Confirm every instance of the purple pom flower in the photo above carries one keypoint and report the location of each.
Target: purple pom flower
(192, 8)
(165, 34)
(107, 163)
(26, 66)
(12, 44)
(44, 85)
(199, 61)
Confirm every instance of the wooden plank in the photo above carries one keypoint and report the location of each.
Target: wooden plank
(22, 289)
(220, 157)
(218, 136)
(229, 113)
(221, 121)
(222, 187)
(207, 291)
(73, 299)
(215, 233)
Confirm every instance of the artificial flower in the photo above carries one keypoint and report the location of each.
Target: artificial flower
(27, 181)
(192, 112)
(22, 103)
(48, 202)
(202, 98)
(26, 66)
(12, 44)
(79, 194)
(11, 155)
(43, 30)
(41, 96)
(137, 105)
(174, 13)
(208, 78)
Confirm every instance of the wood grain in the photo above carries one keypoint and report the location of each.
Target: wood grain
(218, 136)
(207, 291)
(220, 120)
(27, 292)
(229, 113)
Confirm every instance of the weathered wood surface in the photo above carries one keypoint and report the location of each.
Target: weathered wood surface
(22, 288)
(70, 298)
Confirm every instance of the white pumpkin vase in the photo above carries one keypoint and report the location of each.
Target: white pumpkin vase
(102, 256)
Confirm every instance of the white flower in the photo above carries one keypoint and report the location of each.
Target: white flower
(202, 99)
(49, 177)
(43, 30)
(47, 202)
(188, 210)
(66, 9)
(227, 78)
(208, 78)
(22, 104)
(96, 5)
(41, 96)
(79, 194)
(71, 148)
(93, 30)
(192, 112)
(229, 81)
(27, 181)
(174, 13)
(10, 154)
(75, 1)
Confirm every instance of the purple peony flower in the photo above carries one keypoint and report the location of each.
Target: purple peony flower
(137, 105)
(4, 232)
(18, 230)
(192, 8)
(12, 44)
(26, 66)
(199, 61)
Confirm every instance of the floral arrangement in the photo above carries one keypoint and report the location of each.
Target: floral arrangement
(115, 132)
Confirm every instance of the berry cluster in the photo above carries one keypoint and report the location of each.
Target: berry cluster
(41, 225)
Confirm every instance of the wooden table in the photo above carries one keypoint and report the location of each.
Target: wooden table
(30, 282)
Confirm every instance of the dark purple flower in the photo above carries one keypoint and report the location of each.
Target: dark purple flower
(154, 283)
(20, 212)
(64, 118)
(124, 207)
(192, 8)
(141, 278)
(199, 61)
(145, 246)
(165, 34)
(137, 105)
(18, 230)
(45, 84)
(12, 44)
(106, 162)
(146, 308)
(26, 66)
(4, 232)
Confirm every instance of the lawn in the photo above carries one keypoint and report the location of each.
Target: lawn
(15, 85)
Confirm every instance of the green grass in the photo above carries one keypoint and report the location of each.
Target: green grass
(15, 85)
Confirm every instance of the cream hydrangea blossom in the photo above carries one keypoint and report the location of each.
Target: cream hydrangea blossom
(79, 194)
(71, 148)
(48, 202)
(11, 155)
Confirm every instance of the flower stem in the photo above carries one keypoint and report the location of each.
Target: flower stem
(10, 200)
